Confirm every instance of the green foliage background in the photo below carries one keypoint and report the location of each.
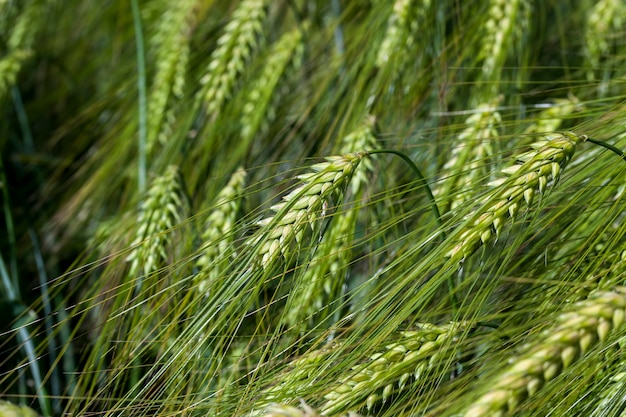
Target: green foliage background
(174, 241)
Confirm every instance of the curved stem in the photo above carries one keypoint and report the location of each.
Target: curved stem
(433, 204)
(605, 145)
(422, 180)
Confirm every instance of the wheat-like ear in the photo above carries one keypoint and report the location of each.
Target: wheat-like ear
(574, 333)
(8, 409)
(409, 360)
(164, 206)
(19, 42)
(603, 21)
(281, 410)
(533, 172)
(504, 18)
(469, 164)
(550, 119)
(301, 372)
(302, 208)
(233, 50)
(172, 43)
(217, 236)
(402, 32)
(284, 58)
(321, 282)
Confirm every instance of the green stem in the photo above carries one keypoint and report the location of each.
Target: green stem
(10, 229)
(433, 204)
(55, 379)
(141, 86)
(339, 43)
(605, 145)
(25, 341)
(422, 181)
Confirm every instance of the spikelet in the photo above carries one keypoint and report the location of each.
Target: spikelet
(19, 42)
(8, 409)
(574, 333)
(24, 30)
(217, 236)
(303, 207)
(611, 397)
(533, 172)
(468, 166)
(605, 19)
(611, 272)
(284, 57)
(172, 41)
(281, 410)
(301, 372)
(412, 357)
(233, 50)
(322, 280)
(164, 206)
(402, 32)
(504, 19)
(10, 66)
(550, 119)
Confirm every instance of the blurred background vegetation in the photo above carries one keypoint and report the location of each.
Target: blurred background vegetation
(147, 269)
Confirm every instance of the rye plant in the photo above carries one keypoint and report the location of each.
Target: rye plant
(312, 208)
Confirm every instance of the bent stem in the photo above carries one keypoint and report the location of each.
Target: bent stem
(433, 204)
(610, 147)
(421, 179)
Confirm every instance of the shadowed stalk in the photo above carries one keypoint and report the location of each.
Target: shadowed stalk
(610, 147)
(420, 178)
(25, 340)
(141, 102)
(48, 321)
(10, 228)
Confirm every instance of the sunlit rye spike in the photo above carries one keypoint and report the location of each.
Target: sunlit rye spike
(533, 172)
